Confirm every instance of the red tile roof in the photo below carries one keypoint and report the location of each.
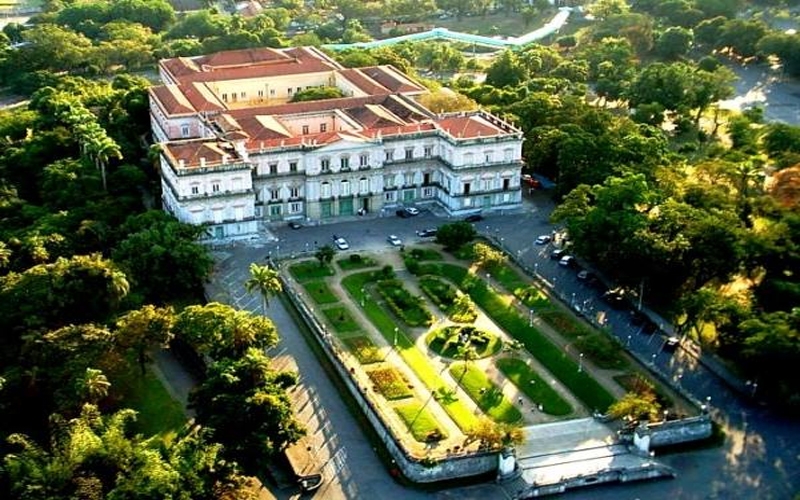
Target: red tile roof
(192, 152)
(469, 126)
(393, 79)
(171, 99)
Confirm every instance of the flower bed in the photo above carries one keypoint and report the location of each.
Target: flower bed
(459, 308)
(390, 383)
(363, 349)
(406, 306)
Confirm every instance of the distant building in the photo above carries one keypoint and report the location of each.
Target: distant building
(236, 152)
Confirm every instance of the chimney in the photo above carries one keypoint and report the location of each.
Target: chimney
(202, 162)
(225, 159)
(180, 164)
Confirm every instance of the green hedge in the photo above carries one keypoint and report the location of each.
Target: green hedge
(486, 395)
(534, 386)
(355, 261)
(580, 383)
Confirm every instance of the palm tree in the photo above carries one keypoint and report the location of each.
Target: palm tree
(95, 384)
(265, 280)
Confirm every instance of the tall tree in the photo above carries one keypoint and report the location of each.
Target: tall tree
(245, 405)
(144, 328)
(221, 331)
(266, 281)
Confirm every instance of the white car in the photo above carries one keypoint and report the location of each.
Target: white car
(341, 243)
(412, 211)
(543, 239)
(394, 240)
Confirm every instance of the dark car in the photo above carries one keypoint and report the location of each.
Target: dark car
(295, 225)
(403, 213)
(649, 328)
(557, 254)
(637, 318)
(671, 343)
(616, 298)
(427, 233)
(473, 218)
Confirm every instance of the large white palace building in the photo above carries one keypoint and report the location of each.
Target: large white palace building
(237, 152)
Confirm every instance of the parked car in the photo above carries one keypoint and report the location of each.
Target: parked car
(407, 212)
(427, 233)
(557, 254)
(543, 239)
(648, 327)
(340, 243)
(531, 181)
(473, 218)
(567, 261)
(394, 240)
(295, 225)
(587, 276)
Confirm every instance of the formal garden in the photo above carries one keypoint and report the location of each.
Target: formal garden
(447, 346)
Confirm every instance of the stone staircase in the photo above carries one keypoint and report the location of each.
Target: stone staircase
(576, 454)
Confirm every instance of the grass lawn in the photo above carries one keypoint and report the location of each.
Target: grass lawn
(157, 412)
(363, 349)
(308, 270)
(505, 315)
(341, 320)
(420, 422)
(406, 306)
(320, 292)
(424, 254)
(534, 386)
(390, 383)
(414, 358)
(355, 261)
(486, 395)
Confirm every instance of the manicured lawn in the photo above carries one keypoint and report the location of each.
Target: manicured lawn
(562, 321)
(603, 351)
(420, 422)
(341, 320)
(414, 358)
(320, 292)
(355, 261)
(534, 386)
(446, 298)
(158, 413)
(486, 395)
(580, 383)
(424, 254)
(390, 383)
(363, 349)
(309, 270)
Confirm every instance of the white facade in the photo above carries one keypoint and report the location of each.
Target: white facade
(235, 167)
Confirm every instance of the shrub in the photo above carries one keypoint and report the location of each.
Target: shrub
(406, 306)
(601, 349)
(363, 349)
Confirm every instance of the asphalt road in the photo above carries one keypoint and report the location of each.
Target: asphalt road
(760, 456)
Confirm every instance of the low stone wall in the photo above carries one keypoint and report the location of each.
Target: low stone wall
(465, 465)
(680, 431)
(651, 470)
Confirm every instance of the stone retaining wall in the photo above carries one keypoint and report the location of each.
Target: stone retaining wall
(680, 431)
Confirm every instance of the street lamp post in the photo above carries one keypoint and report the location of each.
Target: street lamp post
(580, 362)
(363, 297)
(753, 385)
(628, 343)
(653, 358)
(572, 303)
(396, 331)
(530, 318)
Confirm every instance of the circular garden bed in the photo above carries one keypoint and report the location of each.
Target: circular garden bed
(456, 340)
